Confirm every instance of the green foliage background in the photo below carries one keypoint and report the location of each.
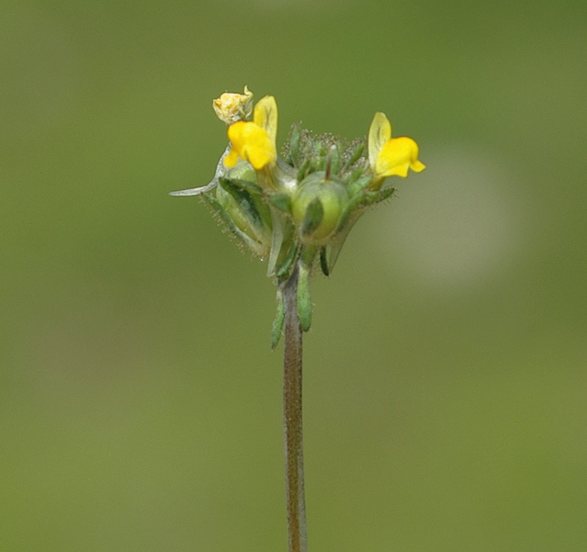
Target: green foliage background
(445, 382)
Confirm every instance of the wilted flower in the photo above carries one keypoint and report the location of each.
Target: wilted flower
(232, 107)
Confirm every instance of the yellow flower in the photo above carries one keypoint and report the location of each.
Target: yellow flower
(231, 107)
(391, 156)
(255, 141)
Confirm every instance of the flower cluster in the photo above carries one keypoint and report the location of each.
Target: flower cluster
(297, 209)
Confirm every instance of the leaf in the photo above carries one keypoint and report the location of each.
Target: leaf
(277, 327)
(303, 300)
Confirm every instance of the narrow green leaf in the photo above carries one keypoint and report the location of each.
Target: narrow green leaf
(286, 260)
(277, 328)
(304, 302)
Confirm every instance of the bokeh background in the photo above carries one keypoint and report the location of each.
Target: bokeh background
(445, 381)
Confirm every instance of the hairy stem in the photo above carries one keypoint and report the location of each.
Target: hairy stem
(292, 420)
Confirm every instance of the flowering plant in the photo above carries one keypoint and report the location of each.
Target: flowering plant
(296, 210)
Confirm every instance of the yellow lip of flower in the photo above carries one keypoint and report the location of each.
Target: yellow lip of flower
(391, 156)
(232, 107)
(255, 141)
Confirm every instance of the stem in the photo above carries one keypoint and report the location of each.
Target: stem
(292, 419)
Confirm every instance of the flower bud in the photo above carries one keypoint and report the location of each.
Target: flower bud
(246, 216)
(317, 208)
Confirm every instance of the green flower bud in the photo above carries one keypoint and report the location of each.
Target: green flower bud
(245, 213)
(317, 208)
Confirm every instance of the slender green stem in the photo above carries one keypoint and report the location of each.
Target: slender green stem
(292, 420)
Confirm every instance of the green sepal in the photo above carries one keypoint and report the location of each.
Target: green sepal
(318, 156)
(358, 172)
(286, 263)
(371, 198)
(307, 255)
(241, 171)
(303, 170)
(239, 183)
(257, 247)
(282, 201)
(284, 246)
(355, 154)
(332, 165)
(313, 217)
(361, 183)
(244, 203)
(334, 247)
(249, 210)
(277, 327)
(293, 152)
(303, 300)
(353, 211)
(324, 262)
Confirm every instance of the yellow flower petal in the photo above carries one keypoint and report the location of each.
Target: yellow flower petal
(379, 133)
(231, 159)
(265, 116)
(252, 143)
(255, 141)
(397, 156)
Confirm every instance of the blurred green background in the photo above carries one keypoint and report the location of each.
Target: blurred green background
(445, 382)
